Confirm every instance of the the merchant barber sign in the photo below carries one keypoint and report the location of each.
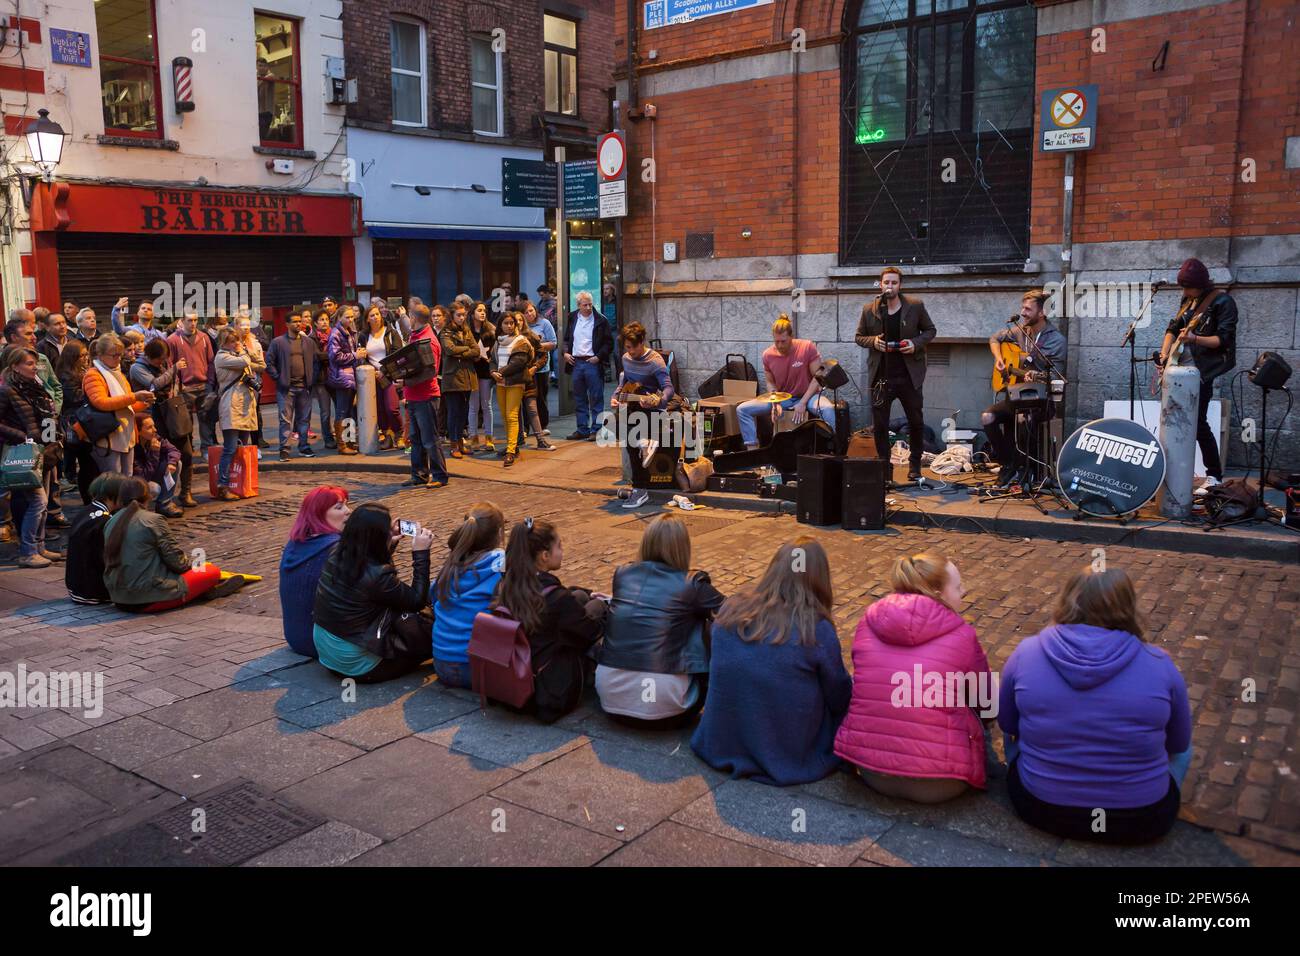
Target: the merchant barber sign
(662, 13)
(195, 212)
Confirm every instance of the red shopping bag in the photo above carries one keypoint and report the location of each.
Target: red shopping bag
(243, 470)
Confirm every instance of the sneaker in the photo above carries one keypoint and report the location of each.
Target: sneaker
(544, 445)
(228, 586)
(34, 561)
(591, 436)
(306, 452)
(1204, 489)
(53, 555)
(284, 455)
(546, 431)
(639, 497)
(914, 473)
(510, 459)
(415, 483)
(578, 436)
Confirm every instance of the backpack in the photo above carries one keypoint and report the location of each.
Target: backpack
(737, 367)
(500, 658)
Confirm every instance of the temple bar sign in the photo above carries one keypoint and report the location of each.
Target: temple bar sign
(662, 13)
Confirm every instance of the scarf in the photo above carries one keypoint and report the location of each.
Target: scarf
(125, 434)
(34, 394)
(115, 389)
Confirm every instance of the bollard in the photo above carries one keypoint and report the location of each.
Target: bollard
(367, 410)
(1178, 423)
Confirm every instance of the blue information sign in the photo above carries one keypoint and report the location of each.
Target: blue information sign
(69, 47)
(662, 13)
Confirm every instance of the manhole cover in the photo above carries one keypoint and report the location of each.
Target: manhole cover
(696, 526)
(237, 823)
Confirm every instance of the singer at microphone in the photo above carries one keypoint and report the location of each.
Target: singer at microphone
(1039, 342)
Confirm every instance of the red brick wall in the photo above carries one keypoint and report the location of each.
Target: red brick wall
(448, 27)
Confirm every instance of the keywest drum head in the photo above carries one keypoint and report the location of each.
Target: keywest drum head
(1110, 467)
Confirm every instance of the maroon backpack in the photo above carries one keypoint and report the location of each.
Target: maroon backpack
(500, 658)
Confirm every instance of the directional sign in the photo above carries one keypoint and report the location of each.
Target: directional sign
(660, 13)
(1069, 115)
(581, 200)
(529, 182)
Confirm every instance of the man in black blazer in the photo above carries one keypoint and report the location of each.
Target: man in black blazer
(896, 330)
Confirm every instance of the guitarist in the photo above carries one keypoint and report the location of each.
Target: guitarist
(645, 386)
(1036, 337)
(1205, 327)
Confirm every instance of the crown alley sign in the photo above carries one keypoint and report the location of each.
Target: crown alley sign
(662, 13)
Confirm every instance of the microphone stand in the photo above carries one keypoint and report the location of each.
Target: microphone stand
(1052, 371)
(1130, 339)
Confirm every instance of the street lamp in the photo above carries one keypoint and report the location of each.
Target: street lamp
(45, 143)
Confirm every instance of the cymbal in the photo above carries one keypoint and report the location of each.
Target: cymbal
(774, 397)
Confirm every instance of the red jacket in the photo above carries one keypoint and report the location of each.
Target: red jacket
(893, 727)
(431, 388)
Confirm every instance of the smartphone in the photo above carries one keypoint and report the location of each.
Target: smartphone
(891, 346)
(408, 528)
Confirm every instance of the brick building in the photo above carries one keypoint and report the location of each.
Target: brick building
(805, 144)
(445, 90)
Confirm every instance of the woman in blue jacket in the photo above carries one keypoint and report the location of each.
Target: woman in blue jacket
(464, 587)
(316, 530)
(1098, 727)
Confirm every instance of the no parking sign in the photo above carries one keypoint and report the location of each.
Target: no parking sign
(1069, 118)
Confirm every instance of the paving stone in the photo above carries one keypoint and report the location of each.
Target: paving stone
(491, 832)
(228, 709)
(133, 741)
(605, 786)
(905, 844)
(39, 807)
(138, 846)
(274, 753)
(373, 723)
(672, 844)
(1184, 845)
(331, 844)
(393, 790)
(786, 822)
(989, 818)
(504, 739)
(600, 726)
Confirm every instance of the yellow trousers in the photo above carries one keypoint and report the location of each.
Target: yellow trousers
(510, 398)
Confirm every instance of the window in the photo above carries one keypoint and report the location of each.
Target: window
(927, 81)
(561, 64)
(128, 67)
(279, 86)
(410, 94)
(485, 68)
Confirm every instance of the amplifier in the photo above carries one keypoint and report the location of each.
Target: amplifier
(661, 472)
(818, 499)
(864, 494)
(410, 360)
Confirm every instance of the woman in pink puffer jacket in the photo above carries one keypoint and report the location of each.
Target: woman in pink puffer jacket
(918, 670)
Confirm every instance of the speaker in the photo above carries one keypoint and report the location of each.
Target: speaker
(660, 473)
(818, 500)
(864, 493)
(1271, 371)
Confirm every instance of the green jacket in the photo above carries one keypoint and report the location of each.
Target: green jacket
(45, 372)
(151, 562)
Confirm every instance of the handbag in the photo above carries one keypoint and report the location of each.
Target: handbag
(500, 658)
(409, 634)
(92, 424)
(175, 412)
(20, 468)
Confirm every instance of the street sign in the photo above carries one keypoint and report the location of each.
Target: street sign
(581, 201)
(69, 47)
(1069, 116)
(613, 199)
(661, 13)
(611, 157)
(529, 182)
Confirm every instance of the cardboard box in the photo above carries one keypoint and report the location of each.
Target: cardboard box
(734, 393)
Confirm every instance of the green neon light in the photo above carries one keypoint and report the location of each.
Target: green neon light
(868, 136)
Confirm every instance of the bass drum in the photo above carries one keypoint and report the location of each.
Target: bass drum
(1110, 467)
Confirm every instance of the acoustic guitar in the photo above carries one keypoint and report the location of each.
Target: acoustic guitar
(1016, 371)
(634, 393)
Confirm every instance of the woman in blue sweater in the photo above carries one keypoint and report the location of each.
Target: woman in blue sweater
(464, 587)
(1097, 722)
(777, 684)
(316, 530)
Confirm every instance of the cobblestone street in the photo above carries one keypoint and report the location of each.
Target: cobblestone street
(200, 698)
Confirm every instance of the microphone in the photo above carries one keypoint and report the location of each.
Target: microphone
(1158, 284)
(1013, 320)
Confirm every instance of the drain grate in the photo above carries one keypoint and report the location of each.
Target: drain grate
(239, 823)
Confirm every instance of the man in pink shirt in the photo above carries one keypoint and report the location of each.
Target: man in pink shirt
(788, 366)
(423, 395)
(191, 353)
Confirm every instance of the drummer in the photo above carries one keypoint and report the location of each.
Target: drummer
(788, 366)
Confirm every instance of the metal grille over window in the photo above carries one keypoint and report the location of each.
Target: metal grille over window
(937, 141)
(699, 245)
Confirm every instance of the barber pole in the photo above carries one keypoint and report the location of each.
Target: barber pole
(181, 84)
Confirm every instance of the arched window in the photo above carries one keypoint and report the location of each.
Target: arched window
(937, 133)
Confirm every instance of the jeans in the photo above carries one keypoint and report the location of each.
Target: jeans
(345, 404)
(453, 675)
(1205, 433)
(28, 508)
(427, 461)
(158, 489)
(883, 392)
(588, 395)
(543, 380)
(388, 409)
(511, 398)
(325, 407)
(230, 440)
(295, 415)
(457, 414)
(747, 414)
(107, 460)
(481, 400)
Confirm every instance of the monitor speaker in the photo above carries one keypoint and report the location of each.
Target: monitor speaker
(820, 477)
(864, 493)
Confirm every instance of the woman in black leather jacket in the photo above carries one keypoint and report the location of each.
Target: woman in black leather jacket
(360, 600)
(653, 667)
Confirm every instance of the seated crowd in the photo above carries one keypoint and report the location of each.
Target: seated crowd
(1092, 717)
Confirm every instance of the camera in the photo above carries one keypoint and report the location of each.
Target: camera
(891, 346)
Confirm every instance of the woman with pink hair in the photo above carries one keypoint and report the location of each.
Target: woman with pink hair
(315, 532)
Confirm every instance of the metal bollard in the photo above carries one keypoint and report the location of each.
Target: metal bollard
(367, 410)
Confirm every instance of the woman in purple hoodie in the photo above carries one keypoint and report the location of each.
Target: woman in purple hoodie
(1097, 722)
(316, 530)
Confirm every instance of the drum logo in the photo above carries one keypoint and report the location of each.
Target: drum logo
(1106, 445)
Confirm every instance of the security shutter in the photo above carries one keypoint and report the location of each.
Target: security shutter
(96, 269)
